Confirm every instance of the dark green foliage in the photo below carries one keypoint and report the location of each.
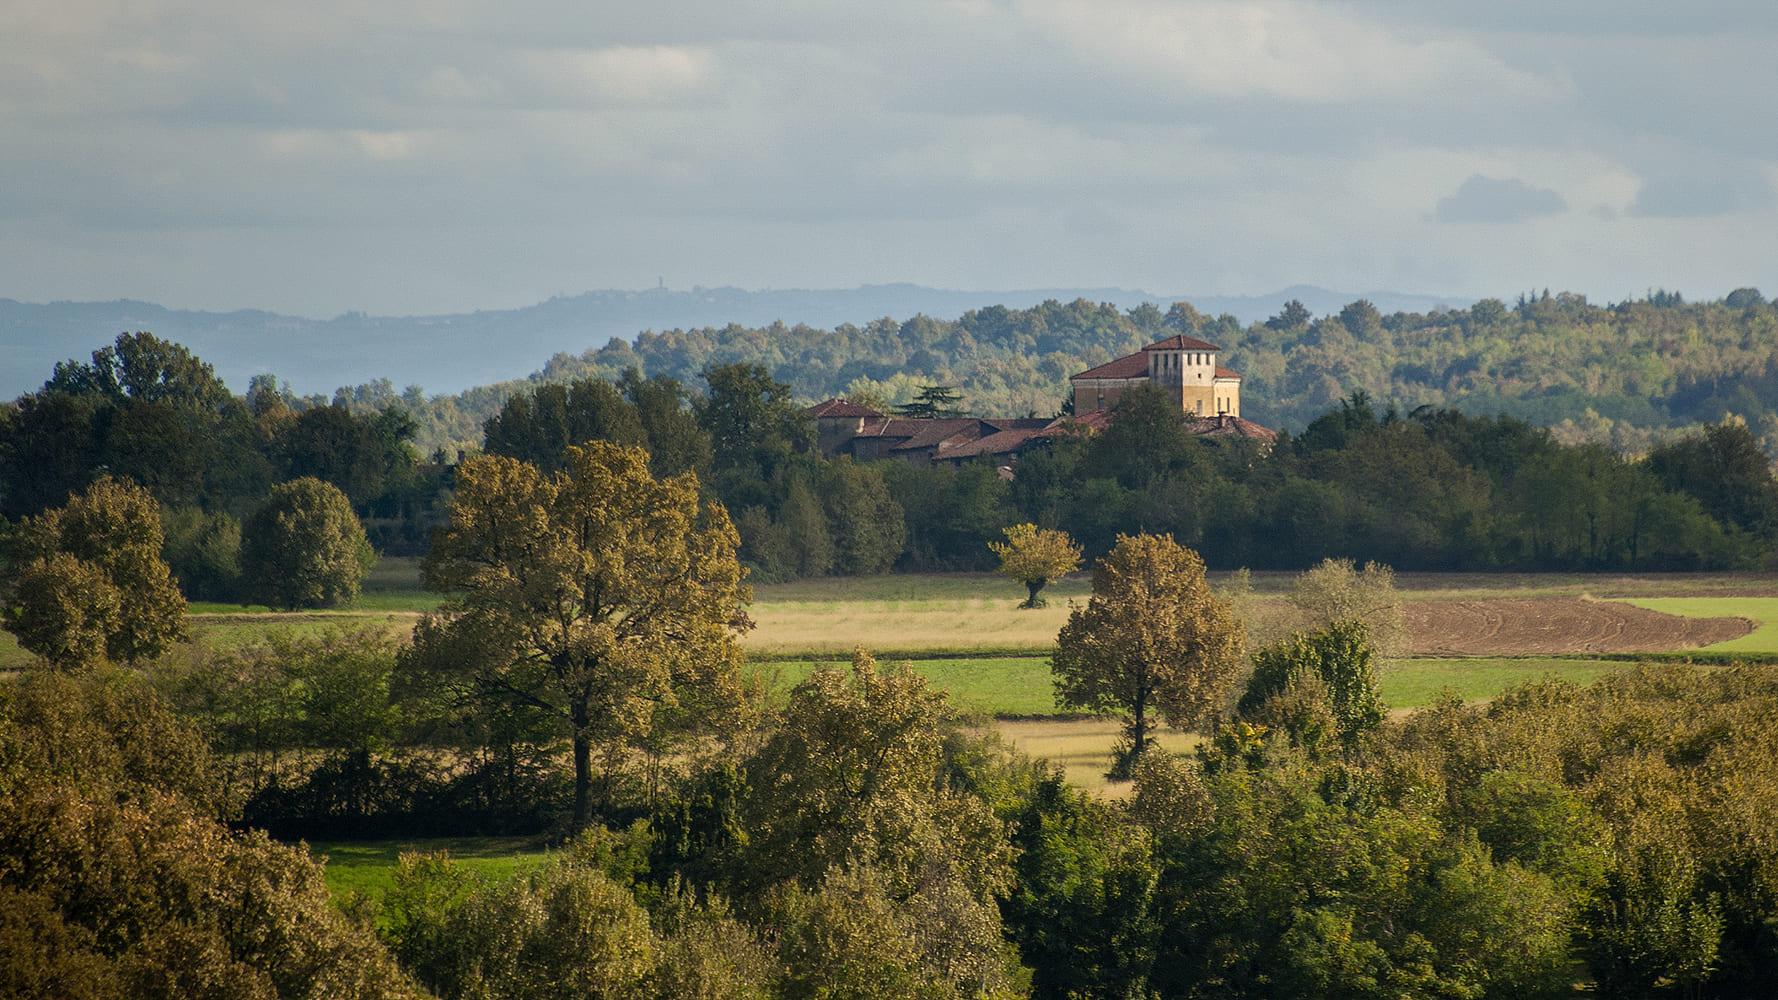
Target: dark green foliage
(932, 402)
(676, 443)
(148, 411)
(538, 426)
(305, 548)
(951, 514)
(1288, 893)
(1335, 664)
(1723, 468)
(1083, 911)
(365, 455)
(865, 522)
(204, 553)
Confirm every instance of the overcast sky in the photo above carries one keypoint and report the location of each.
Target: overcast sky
(441, 155)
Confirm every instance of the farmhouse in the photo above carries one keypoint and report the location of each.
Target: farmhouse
(1185, 368)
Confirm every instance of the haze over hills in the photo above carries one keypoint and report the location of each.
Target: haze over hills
(449, 353)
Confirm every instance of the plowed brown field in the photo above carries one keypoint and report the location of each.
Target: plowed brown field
(1542, 625)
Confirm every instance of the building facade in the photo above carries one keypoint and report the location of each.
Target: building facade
(1183, 367)
(1207, 394)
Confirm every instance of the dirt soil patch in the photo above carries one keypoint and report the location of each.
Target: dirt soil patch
(1528, 626)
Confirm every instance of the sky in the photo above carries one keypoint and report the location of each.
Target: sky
(423, 156)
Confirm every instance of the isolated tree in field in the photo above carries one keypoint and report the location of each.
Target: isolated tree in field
(92, 584)
(1152, 638)
(598, 595)
(304, 548)
(1336, 590)
(1034, 556)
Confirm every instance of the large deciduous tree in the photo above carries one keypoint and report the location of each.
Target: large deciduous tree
(304, 547)
(601, 595)
(1034, 556)
(92, 584)
(1152, 638)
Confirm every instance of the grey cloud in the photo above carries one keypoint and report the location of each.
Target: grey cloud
(1704, 191)
(422, 156)
(1487, 199)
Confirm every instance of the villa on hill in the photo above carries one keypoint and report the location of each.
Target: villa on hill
(1185, 368)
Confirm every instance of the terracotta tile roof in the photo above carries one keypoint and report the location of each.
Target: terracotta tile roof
(1092, 420)
(841, 408)
(932, 433)
(1128, 366)
(1136, 365)
(1180, 342)
(1018, 423)
(890, 427)
(1226, 426)
(1003, 442)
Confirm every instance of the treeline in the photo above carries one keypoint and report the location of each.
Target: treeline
(1434, 489)
(1427, 489)
(1620, 374)
(151, 412)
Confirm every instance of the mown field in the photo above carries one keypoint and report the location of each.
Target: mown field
(966, 635)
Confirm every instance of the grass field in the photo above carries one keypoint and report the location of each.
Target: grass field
(1021, 688)
(1762, 611)
(966, 634)
(368, 866)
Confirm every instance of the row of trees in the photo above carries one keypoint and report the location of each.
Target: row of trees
(1434, 489)
(1625, 374)
(1431, 489)
(149, 411)
(87, 581)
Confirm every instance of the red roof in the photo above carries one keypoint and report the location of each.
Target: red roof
(932, 433)
(998, 443)
(1222, 372)
(1223, 425)
(1128, 366)
(841, 408)
(1180, 342)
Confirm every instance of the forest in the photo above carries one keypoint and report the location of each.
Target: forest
(1629, 374)
(1431, 488)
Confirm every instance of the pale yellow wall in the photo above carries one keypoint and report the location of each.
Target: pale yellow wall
(1189, 377)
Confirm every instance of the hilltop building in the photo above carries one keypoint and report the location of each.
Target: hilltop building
(1209, 398)
(1183, 367)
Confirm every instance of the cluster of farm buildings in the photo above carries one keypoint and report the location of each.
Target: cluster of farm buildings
(1185, 368)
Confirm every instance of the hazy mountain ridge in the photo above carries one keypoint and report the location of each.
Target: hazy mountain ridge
(453, 352)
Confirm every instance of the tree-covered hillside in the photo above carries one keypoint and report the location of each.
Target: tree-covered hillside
(1621, 373)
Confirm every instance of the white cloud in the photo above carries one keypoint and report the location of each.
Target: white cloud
(657, 75)
(1301, 52)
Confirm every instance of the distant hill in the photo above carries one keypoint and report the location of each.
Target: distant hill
(450, 353)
